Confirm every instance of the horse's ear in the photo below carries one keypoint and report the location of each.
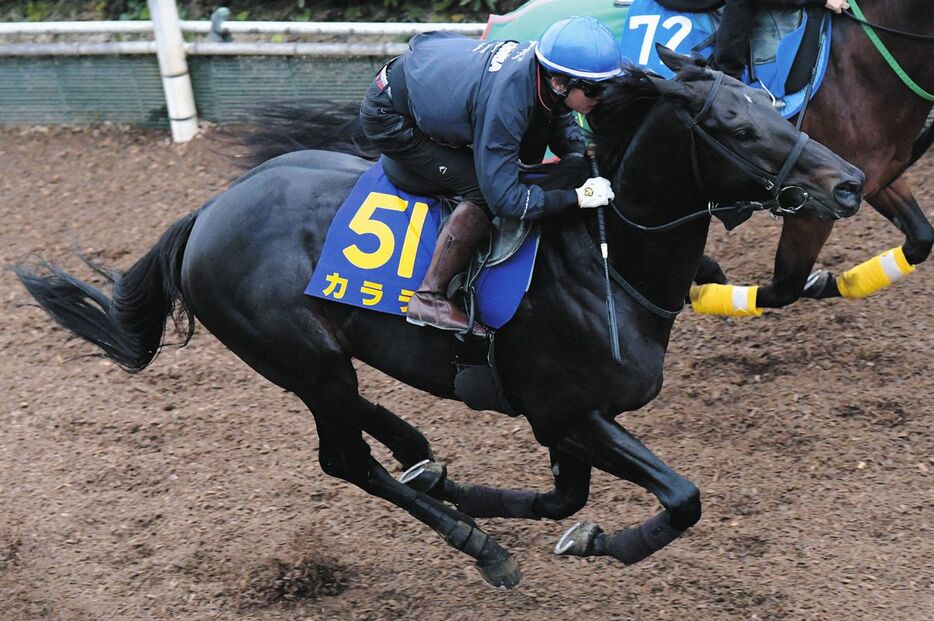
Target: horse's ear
(670, 88)
(672, 59)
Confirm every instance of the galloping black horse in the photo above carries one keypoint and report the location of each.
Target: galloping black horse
(240, 263)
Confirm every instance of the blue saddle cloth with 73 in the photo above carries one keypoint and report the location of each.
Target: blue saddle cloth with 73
(777, 39)
(380, 243)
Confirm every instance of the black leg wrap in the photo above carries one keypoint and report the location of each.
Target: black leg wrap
(459, 534)
(467, 539)
(479, 501)
(634, 544)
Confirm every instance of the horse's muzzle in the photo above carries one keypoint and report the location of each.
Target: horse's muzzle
(848, 196)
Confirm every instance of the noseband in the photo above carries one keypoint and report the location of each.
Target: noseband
(785, 199)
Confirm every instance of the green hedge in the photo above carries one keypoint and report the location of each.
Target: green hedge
(307, 10)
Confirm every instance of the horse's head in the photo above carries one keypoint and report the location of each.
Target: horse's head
(741, 149)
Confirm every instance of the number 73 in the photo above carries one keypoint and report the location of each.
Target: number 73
(363, 223)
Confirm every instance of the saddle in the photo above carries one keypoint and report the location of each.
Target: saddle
(772, 26)
(504, 239)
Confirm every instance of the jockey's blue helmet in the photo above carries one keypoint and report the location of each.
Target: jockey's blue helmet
(580, 47)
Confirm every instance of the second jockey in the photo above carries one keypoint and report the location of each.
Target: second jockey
(732, 48)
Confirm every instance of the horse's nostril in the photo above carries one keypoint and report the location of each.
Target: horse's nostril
(848, 194)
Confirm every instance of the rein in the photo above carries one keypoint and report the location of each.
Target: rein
(868, 27)
(856, 14)
(663, 313)
(773, 184)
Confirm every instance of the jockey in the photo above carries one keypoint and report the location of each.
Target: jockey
(732, 47)
(457, 115)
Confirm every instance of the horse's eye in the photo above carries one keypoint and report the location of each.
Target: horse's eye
(744, 134)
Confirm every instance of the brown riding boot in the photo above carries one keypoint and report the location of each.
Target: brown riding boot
(457, 241)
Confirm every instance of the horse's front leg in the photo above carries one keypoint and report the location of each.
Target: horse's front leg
(801, 241)
(604, 444)
(899, 206)
(710, 272)
(569, 495)
(407, 443)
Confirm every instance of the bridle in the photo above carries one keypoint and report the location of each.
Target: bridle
(785, 199)
(774, 184)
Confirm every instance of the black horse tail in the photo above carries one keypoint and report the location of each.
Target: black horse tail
(279, 128)
(129, 327)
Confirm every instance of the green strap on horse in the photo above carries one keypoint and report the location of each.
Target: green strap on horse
(917, 90)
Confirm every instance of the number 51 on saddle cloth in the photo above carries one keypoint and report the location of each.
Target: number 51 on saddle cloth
(379, 246)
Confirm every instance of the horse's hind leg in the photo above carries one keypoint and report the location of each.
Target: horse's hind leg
(327, 384)
(407, 443)
(569, 495)
(343, 453)
(606, 445)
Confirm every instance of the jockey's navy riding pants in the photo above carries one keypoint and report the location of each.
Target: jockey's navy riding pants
(413, 161)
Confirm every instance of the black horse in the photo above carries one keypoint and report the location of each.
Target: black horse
(240, 263)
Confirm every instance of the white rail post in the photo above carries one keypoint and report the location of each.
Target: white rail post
(170, 48)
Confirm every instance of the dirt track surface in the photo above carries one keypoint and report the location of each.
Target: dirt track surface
(192, 491)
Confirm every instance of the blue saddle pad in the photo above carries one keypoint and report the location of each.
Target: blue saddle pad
(379, 245)
(648, 22)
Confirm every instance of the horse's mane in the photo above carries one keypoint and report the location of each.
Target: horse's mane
(628, 100)
(286, 126)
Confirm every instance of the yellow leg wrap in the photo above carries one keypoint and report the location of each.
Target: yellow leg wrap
(725, 300)
(877, 273)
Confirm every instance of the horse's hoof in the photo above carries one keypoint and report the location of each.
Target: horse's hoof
(502, 574)
(426, 476)
(820, 284)
(580, 540)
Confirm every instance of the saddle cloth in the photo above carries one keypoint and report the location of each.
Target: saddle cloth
(782, 64)
(379, 246)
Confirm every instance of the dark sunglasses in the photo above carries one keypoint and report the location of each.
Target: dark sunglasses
(593, 90)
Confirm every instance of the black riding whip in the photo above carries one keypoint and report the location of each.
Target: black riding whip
(604, 250)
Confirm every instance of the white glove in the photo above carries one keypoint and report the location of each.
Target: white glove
(596, 192)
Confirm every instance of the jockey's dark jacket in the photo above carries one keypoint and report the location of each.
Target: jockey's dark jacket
(462, 92)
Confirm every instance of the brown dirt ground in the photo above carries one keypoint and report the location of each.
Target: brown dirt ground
(192, 491)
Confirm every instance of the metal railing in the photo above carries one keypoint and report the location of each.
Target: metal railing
(172, 49)
(244, 27)
(204, 48)
(218, 29)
